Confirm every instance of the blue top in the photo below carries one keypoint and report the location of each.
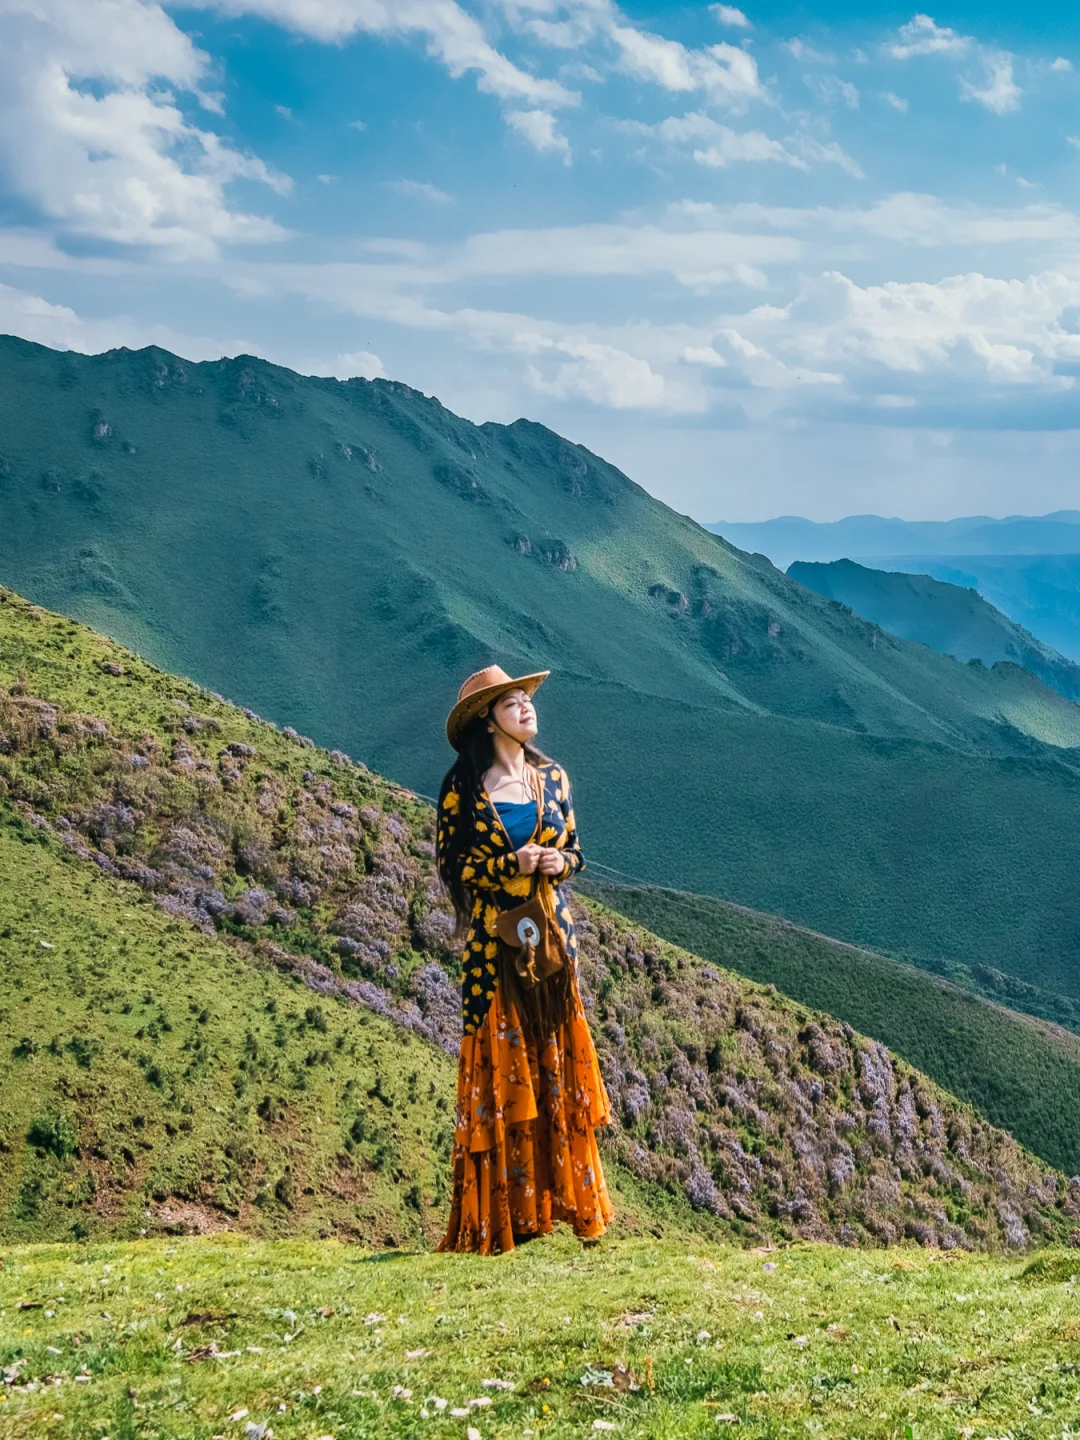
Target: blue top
(518, 818)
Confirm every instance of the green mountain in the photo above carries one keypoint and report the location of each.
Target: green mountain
(1039, 592)
(231, 1003)
(1026, 566)
(950, 619)
(341, 555)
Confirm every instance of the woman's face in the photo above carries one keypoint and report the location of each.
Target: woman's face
(516, 714)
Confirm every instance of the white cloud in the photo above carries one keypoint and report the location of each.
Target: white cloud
(1061, 64)
(284, 112)
(90, 137)
(359, 363)
(729, 147)
(360, 125)
(453, 37)
(721, 146)
(729, 15)
(808, 54)
(725, 73)
(1000, 93)
(419, 190)
(922, 36)
(998, 90)
(831, 90)
(537, 128)
(972, 327)
(692, 257)
(34, 318)
(599, 373)
(326, 179)
(896, 102)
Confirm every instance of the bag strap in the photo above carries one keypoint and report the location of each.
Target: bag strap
(537, 786)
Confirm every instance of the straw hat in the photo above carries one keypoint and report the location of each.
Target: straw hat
(480, 689)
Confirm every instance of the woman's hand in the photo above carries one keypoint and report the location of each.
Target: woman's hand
(529, 856)
(551, 861)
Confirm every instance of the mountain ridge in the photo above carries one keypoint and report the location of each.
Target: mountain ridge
(950, 619)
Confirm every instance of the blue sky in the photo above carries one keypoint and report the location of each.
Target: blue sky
(818, 259)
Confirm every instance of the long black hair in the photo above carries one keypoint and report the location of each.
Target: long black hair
(475, 758)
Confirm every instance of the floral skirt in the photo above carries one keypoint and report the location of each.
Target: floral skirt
(524, 1150)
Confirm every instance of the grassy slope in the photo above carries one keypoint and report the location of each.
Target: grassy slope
(730, 1098)
(1020, 1072)
(948, 618)
(305, 544)
(153, 1048)
(320, 1341)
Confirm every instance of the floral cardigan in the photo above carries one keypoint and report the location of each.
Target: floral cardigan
(491, 873)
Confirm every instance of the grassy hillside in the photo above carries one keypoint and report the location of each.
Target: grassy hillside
(199, 875)
(340, 555)
(949, 618)
(648, 1340)
(1023, 1074)
(155, 1077)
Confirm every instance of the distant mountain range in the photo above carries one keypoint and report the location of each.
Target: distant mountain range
(338, 556)
(1026, 566)
(864, 536)
(952, 619)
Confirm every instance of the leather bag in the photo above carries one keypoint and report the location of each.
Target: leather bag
(529, 933)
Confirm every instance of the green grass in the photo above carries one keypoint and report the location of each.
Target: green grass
(316, 1339)
(338, 556)
(153, 1076)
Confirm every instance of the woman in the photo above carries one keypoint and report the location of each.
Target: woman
(529, 1088)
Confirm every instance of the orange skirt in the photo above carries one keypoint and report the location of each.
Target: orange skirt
(524, 1150)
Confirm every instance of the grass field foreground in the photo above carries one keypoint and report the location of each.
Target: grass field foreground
(230, 1337)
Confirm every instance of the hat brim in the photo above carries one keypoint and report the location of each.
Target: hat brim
(465, 710)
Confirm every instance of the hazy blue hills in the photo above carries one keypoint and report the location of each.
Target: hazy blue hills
(859, 537)
(950, 618)
(339, 555)
(1039, 592)
(1026, 566)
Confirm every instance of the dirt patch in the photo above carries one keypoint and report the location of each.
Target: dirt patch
(186, 1217)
